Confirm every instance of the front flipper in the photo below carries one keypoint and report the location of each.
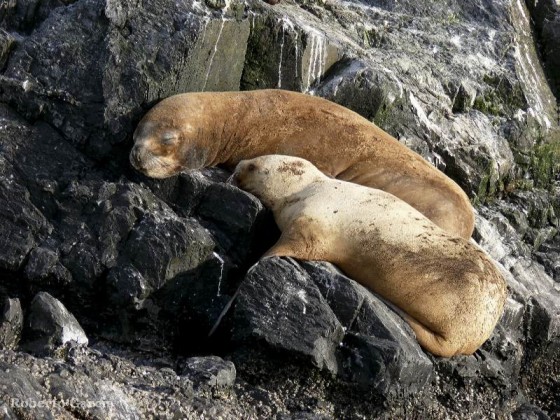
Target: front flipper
(301, 240)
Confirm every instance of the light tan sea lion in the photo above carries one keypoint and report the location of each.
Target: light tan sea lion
(196, 130)
(449, 291)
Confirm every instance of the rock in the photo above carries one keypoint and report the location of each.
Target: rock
(380, 350)
(44, 268)
(546, 16)
(216, 4)
(86, 397)
(526, 279)
(11, 323)
(23, 224)
(344, 296)
(50, 326)
(209, 372)
(193, 302)
(544, 318)
(297, 57)
(464, 98)
(529, 412)
(237, 218)
(21, 393)
(276, 303)
(109, 85)
(160, 247)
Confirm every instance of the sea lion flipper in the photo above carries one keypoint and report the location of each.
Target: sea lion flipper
(297, 241)
(279, 250)
(433, 342)
(283, 248)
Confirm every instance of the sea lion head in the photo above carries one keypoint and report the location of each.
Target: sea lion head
(167, 140)
(274, 178)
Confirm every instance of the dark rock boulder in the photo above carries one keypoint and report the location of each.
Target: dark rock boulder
(24, 226)
(11, 323)
(114, 72)
(344, 296)
(192, 303)
(320, 314)
(157, 249)
(50, 326)
(379, 349)
(279, 305)
(546, 17)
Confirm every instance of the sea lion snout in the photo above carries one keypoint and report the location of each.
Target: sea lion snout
(240, 172)
(135, 158)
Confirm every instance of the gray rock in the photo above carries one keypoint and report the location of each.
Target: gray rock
(546, 16)
(50, 326)
(11, 323)
(44, 268)
(109, 84)
(236, 218)
(21, 393)
(193, 302)
(89, 397)
(160, 247)
(344, 296)
(6, 44)
(544, 318)
(380, 350)
(529, 412)
(279, 305)
(464, 97)
(209, 372)
(23, 225)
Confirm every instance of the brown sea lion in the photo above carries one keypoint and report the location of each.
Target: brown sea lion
(447, 288)
(195, 130)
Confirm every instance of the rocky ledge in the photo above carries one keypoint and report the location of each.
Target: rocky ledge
(128, 297)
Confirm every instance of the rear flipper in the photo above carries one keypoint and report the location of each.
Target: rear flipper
(436, 344)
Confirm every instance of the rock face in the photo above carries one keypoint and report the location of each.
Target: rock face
(11, 323)
(209, 372)
(163, 278)
(50, 326)
(546, 15)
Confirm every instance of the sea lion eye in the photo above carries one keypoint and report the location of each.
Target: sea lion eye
(168, 138)
(251, 167)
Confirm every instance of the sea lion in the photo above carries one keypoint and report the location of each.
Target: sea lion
(195, 130)
(447, 288)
